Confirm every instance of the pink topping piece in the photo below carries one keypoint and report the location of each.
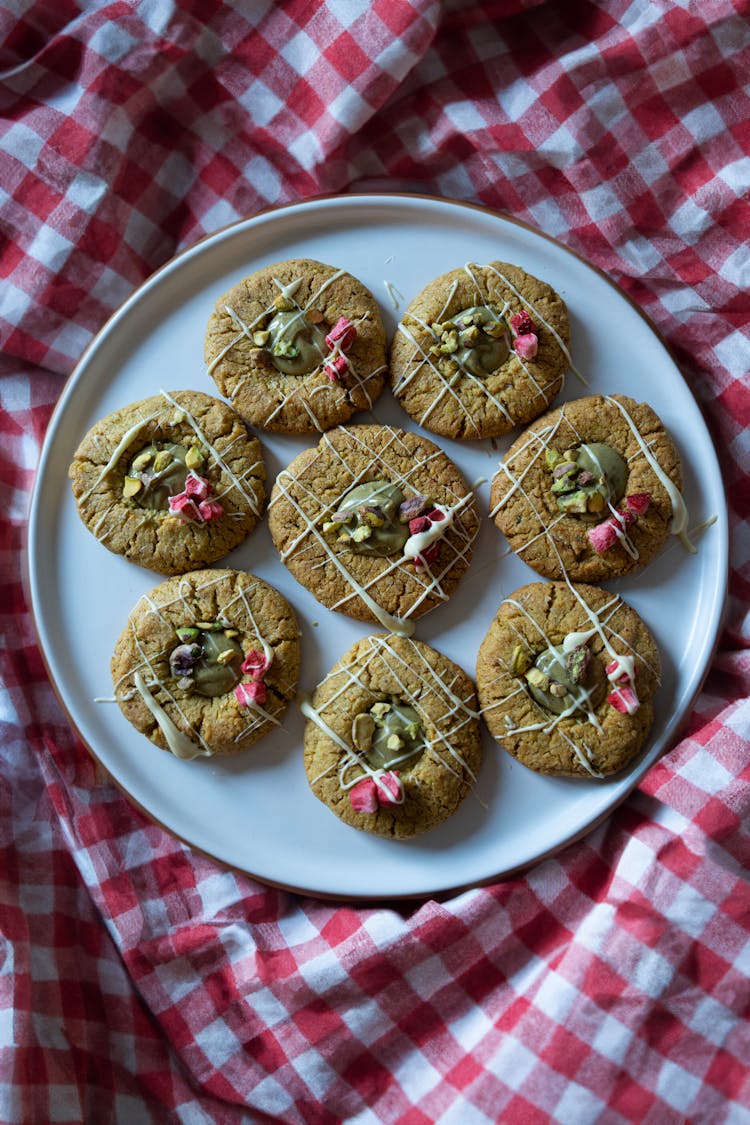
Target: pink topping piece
(210, 509)
(336, 368)
(343, 333)
(183, 504)
(527, 345)
(390, 791)
(624, 700)
(197, 487)
(418, 525)
(436, 516)
(255, 664)
(364, 796)
(428, 556)
(521, 323)
(603, 536)
(247, 694)
(638, 503)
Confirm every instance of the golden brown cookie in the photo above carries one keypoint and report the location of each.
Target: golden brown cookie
(590, 490)
(298, 346)
(480, 350)
(376, 522)
(207, 662)
(392, 743)
(566, 676)
(172, 482)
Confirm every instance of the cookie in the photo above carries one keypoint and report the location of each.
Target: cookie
(298, 346)
(207, 662)
(172, 482)
(590, 490)
(566, 677)
(480, 350)
(392, 743)
(376, 522)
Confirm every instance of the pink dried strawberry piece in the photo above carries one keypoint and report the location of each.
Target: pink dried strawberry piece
(418, 525)
(389, 788)
(428, 556)
(436, 516)
(343, 333)
(210, 509)
(624, 700)
(638, 503)
(521, 323)
(197, 487)
(336, 368)
(526, 346)
(603, 536)
(183, 505)
(255, 692)
(255, 664)
(364, 796)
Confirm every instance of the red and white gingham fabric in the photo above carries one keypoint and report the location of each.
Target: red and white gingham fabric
(141, 982)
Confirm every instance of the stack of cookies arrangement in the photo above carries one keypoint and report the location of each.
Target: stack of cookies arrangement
(378, 523)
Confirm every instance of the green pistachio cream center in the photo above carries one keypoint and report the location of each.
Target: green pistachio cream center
(560, 681)
(390, 735)
(475, 340)
(295, 345)
(156, 473)
(368, 521)
(587, 480)
(207, 660)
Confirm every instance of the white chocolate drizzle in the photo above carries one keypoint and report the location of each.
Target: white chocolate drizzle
(178, 742)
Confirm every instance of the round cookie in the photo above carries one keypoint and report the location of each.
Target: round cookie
(480, 350)
(392, 743)
(298, 346)
(590, 490)
(566, 675)
(172, 482)
(376, 522)
(173, 678)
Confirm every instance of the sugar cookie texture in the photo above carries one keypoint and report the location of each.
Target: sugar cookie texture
(590, 490)
(298, 346)
(480, 350)
(392, 784)
(172, 482)
(566, 677)
(205, 702)
(330, 527)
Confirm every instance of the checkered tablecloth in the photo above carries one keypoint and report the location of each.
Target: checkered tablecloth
(142, 982)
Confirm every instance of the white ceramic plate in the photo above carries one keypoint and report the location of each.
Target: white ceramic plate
(255, 812)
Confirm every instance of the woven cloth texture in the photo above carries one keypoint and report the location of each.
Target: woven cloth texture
(142, 982)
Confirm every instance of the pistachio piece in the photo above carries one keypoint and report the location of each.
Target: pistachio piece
(162, 460)
(361, 533)
(229, 633)
(393, 742)
(557, 690)
(142, 461)
(469, 336)
(363, 729)
(380, 709)
(261, 337)
(131, 487)
(372, 515)
(194, 458)
(574, 502)
(520, 661)
(412, 507)
(552, 458)
(209, 626)
(225, 657)
(496, 329)
(179, 416)
(282, 303)
(577, 664)
(563, 469)
(450, 343)
(187, 633)
(537, 679)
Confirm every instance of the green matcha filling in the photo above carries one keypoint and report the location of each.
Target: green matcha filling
(474, 340)
(588, 480)
(296, 346)
(398, 740)
(367, 519)
(207, 660)
(578, 679)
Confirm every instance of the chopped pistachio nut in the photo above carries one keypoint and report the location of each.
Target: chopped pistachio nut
(393, 742)
(557, 690)
(162, 460)
(261, 337)
(231, 633)
(131, 486)
(552, 458)
(361, 533)
(209, 626)
(363, 729)
(178, 416)
(282, 303)
(194, 458)
(142, 461)
(537, 679)
(187, 633)
(577, 663)
(380, 709)
(225, 657)
(520, 661)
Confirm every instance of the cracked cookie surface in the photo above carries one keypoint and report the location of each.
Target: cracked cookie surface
(123, 496)
(553, 541)
(602, 658)
(331, 556)
(298, 346)
(200, 703)
(433, 772)
(463, 361)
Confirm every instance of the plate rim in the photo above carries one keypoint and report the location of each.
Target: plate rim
(35, 612)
